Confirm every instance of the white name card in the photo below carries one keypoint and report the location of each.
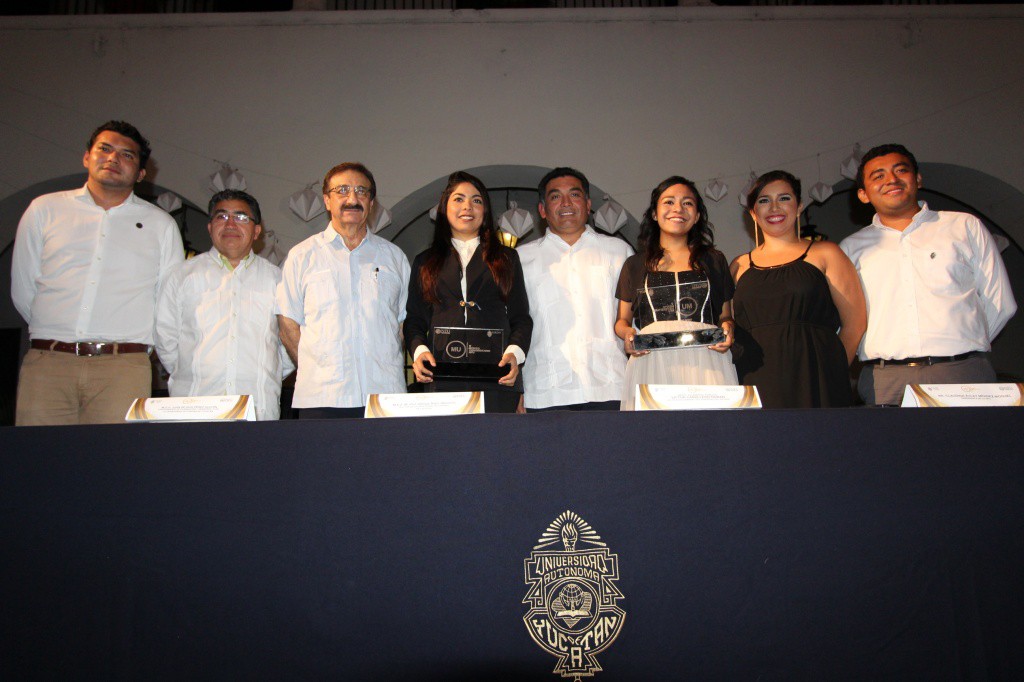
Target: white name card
(211, 408)
(424, 404)
(690, 397)
(963, 395)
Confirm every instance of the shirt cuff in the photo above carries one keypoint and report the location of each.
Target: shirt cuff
(420, 350)
(516, 351)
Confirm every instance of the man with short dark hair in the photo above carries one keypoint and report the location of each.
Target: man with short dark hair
(936, 288)
(341, 303)
(86, 269)
(576, 360)
(216, 330)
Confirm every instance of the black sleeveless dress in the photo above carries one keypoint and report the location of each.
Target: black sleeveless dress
(786, 329)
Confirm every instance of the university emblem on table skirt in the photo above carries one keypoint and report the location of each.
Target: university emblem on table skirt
(574, 612)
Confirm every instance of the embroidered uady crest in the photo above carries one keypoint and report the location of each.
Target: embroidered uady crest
(574, 612)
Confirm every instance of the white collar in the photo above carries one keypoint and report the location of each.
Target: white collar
(466, 248)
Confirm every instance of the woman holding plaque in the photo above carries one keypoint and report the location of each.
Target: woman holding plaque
(677, 282)
(467, 322)
(799, 305)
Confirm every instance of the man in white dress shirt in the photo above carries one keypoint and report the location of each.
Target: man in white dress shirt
(86, 270)
(216, 329)
(936, 288)
(576, 360)
(341, 303)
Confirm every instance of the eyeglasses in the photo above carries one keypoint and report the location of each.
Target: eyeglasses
(239, 217)
(345, 190)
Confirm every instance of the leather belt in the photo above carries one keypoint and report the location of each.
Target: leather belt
(927, 360)
(89, 348)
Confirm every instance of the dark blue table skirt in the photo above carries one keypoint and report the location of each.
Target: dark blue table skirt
(773, 545)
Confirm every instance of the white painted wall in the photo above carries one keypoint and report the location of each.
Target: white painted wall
(628, 96)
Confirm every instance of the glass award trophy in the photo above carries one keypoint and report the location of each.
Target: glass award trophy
(468, 353)
(683, 311)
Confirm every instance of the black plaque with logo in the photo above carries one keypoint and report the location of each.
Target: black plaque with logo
(468, 353)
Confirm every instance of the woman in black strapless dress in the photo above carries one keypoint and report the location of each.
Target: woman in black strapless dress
(799, 306)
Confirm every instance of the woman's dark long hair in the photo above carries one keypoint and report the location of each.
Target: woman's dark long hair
(441, 247)
(700, 238)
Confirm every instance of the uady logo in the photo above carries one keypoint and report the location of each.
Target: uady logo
(574, 612)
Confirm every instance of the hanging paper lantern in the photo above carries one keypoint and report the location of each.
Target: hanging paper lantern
(513, 224)
(379, 218)
(848, 168)
(307, 204)
(715, 190)
(745, 192)
(271, 250)
(169, 201)
(820, 192)
(611, 217)
(227, 178)
(433, 213)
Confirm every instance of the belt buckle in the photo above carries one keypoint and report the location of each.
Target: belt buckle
(88, 349)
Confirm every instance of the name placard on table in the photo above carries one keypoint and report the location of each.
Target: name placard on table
(424, 404)
(213, 408)
(963, 395)
(691, 397)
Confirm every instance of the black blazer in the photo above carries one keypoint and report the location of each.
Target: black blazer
(513, 317)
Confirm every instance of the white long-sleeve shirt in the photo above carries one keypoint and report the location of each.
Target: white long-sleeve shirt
(216, 331)
(575, 356)
(83, 273)
(938, 288)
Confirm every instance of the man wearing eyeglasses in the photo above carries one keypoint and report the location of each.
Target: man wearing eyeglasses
(86, 269)
(216, 330)
(341, 303)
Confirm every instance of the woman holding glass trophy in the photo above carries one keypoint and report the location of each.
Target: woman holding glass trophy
(677, 291)
(468, 322)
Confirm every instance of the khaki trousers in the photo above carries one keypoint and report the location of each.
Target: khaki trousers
(61, 388)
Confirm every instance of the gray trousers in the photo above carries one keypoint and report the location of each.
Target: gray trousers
(885, 385)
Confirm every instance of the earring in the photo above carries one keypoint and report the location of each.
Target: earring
(756, 244)
(798, 227)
